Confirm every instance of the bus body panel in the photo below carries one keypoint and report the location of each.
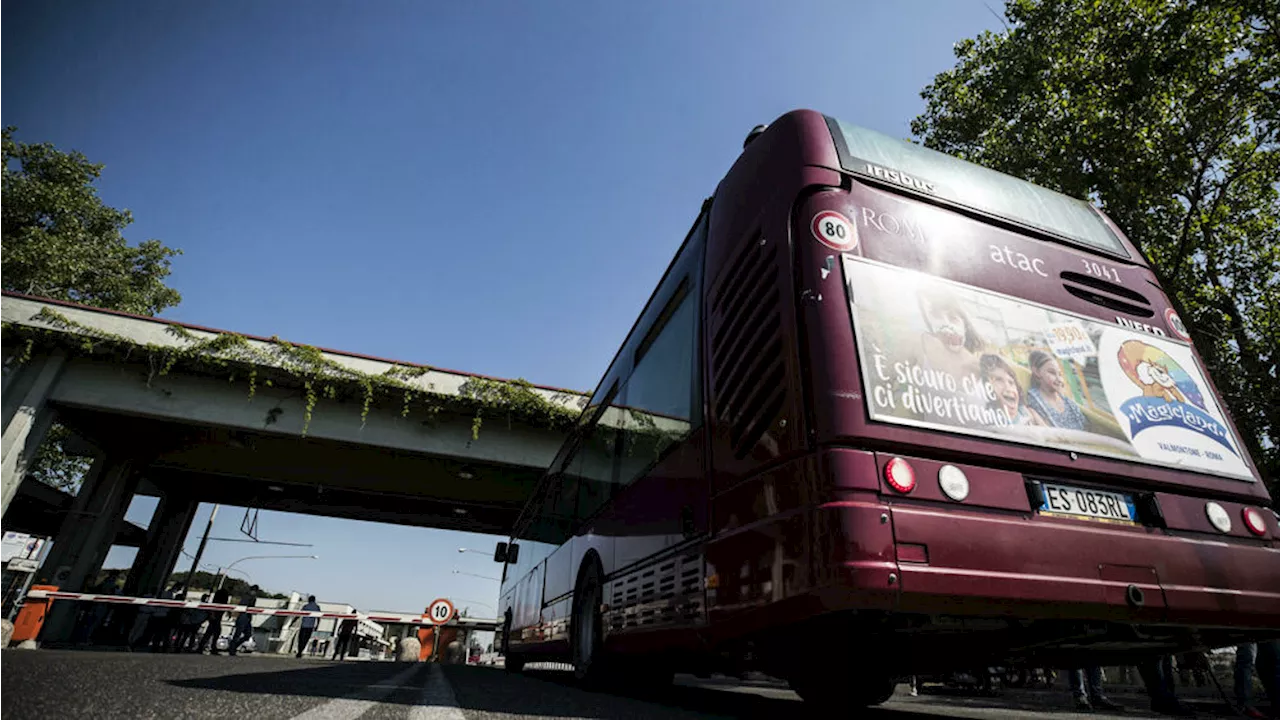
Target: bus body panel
(560, 574)
(654, 580)
(1082, 569)
(750, 329)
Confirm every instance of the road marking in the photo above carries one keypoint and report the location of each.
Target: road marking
(350, 708)
(438, 701)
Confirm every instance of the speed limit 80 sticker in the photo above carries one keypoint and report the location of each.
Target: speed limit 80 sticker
(834, 230)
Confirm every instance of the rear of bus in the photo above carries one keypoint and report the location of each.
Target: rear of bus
(956, 422)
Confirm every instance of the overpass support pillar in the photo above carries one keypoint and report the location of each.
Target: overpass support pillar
(26, 416)
(154, 563)
(86, 534)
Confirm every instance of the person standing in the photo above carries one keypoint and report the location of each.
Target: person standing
(345, 632)
(1267, 657)
(308, 625)
(1089, 696)
(1157, 675)
(210, 637)
(189, 622)
(243, 630)
(167, 620)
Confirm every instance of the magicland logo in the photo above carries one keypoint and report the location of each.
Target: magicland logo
(1170, 398)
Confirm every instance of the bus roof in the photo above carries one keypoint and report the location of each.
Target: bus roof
(928, 172)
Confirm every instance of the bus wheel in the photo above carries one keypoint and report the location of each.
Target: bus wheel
(586, 632)
(513, 663)
(834, 696)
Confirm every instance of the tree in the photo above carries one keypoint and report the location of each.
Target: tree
(1167, 114)
(53, 465)
(235, 587)
(62, 242)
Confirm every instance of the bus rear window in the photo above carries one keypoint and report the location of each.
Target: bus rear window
(928, 172)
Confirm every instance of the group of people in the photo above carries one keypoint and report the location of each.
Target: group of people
(1044, 403)
(346, 636)
(952, 345)
(1157, 676)
(179, 629)
(192, 630)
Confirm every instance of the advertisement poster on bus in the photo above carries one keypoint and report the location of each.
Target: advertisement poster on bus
(946, 356)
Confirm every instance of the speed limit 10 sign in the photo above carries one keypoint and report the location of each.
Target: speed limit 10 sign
(440, 611)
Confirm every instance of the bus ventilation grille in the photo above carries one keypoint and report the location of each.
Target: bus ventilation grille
(746, 347)
(1108, 295)
(662, 595)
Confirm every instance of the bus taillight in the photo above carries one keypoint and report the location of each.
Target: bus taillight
(953, 482)
(1218, 517)
(900, 475)
(1254, 520)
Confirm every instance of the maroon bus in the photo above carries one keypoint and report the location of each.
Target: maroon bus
(889, 412)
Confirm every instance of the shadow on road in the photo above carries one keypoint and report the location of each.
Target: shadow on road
(321, 681)
(556, 694)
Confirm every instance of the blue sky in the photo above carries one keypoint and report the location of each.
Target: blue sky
(488, 187)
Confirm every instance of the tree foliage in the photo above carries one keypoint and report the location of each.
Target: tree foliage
(234, 586)
(61, 241)
(1167, 114)
(53, 465)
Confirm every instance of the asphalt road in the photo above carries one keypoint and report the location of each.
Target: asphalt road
(69, 684)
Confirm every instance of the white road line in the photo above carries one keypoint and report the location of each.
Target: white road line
(350, 708)
(438, 701)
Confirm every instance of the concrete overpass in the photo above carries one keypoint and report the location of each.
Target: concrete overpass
(193, 414)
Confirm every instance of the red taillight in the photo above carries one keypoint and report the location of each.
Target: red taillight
(900, 476)
(1254, 520)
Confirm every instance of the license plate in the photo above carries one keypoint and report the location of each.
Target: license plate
(1083, 502)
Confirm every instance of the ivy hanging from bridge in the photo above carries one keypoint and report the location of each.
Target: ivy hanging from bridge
(278, 363)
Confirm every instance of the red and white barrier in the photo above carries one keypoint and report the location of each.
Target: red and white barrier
(400, 618)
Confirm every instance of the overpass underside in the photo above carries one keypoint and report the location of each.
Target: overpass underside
(313, 476)
(161, 420)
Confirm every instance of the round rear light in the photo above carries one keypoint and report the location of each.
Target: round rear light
(954, 483)
(1218, 516)
(1254, 520)
(900, 476)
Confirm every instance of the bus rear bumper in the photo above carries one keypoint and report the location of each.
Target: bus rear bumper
(955, 562)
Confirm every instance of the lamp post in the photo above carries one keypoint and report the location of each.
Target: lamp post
(222, 573)
(470, 550)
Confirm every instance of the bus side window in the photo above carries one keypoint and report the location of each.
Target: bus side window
(555, 520)
(660, 392)
(596, 463)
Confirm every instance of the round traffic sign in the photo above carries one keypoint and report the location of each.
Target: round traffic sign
(440, 611)
(1175, 324)
(834, 230)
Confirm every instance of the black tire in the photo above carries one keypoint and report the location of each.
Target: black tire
(586, 637)
(513, 663)
(833, 697)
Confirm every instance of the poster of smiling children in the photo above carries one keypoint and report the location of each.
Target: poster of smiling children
(946, 356)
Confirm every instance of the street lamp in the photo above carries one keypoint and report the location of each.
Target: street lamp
(222, 574)
(483, 577)
(211, 569)
(467, 550)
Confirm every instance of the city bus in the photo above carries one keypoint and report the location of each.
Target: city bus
(888, 413)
